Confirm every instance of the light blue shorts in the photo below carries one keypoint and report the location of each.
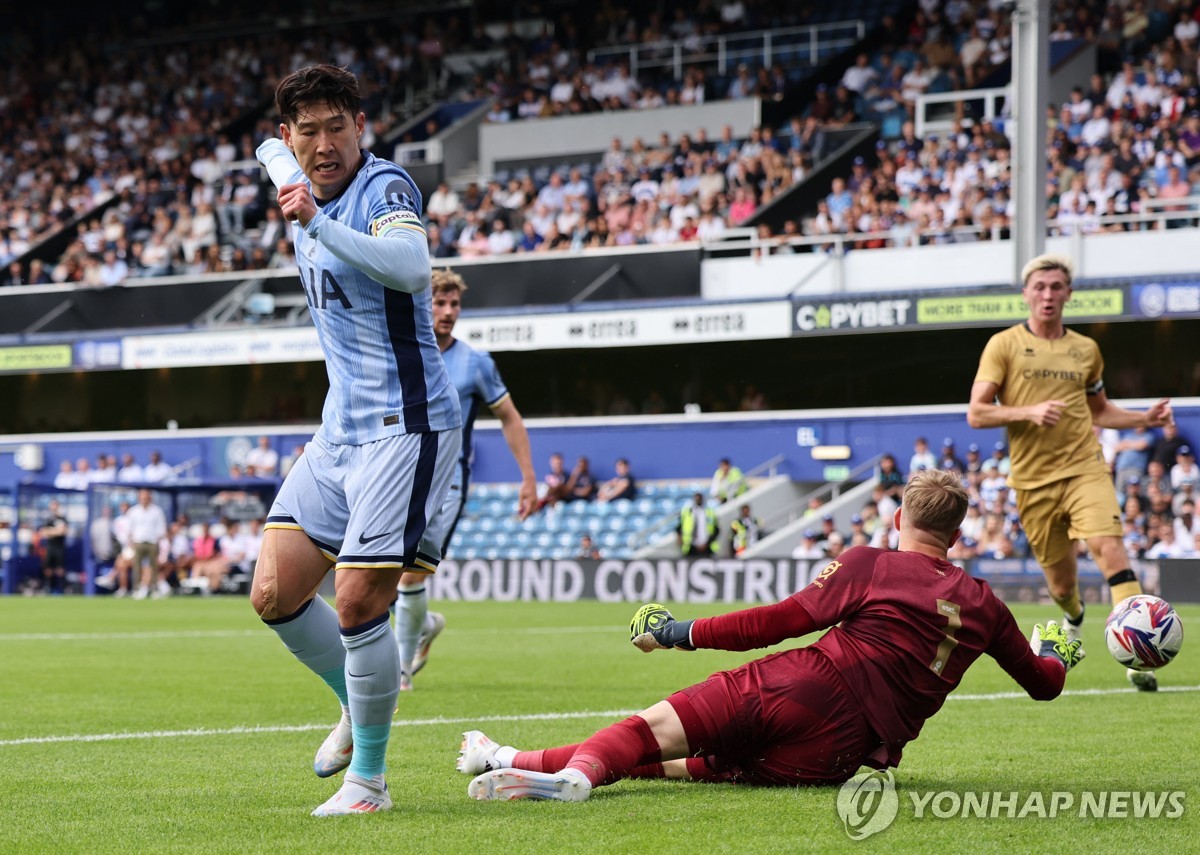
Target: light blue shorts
(372, 505)
(447, 517)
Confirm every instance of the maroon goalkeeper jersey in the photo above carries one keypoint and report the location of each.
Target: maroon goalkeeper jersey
(911, 625)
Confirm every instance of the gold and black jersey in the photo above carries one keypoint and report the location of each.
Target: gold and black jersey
(1029, 370)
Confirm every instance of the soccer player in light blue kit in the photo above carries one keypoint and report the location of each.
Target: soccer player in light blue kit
(361, 496)
(474, 375)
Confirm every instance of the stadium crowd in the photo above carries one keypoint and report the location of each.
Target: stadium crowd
(1155, 476)
(1131, 136)
(154, 170)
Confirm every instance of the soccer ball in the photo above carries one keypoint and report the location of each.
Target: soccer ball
(1143, 632)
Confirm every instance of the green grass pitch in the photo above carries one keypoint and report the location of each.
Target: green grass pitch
(184, 726)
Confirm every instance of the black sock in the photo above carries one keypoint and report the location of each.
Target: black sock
(1079, 620)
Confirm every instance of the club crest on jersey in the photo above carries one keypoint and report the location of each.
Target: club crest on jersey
(398, 196)
(830, 568)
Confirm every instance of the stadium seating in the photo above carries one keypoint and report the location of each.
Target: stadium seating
(489, 527)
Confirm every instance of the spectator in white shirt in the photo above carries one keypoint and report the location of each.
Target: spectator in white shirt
(1097, 128)
(262, 461)
(860, 77)
(65, 479)
(130, 472)
(443, 203)
(114, 270)
(156, 470)
(1185, 469)
(1167, 546)
(147, 526)
(500, 239)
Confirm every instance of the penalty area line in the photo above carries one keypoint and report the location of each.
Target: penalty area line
(483, 719)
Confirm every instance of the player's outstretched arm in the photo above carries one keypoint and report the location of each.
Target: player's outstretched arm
(1050, 642)
(1106, 414)
(654, 628)
(747, 629)
(1039, 665)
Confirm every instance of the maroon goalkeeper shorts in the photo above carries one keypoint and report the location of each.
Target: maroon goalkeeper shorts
(782, 720)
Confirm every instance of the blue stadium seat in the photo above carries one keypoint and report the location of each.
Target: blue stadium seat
(495, 507)
(506, 492)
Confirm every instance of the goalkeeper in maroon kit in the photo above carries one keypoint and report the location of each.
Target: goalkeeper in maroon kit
(911, 623)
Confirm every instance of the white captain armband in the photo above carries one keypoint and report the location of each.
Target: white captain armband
(1096, 388)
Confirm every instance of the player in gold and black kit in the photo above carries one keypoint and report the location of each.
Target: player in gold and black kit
(1044, 384)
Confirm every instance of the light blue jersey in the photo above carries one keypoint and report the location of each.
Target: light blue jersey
(386, 376)
(473, 373)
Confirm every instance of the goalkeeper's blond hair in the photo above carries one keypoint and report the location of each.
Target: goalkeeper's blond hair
(935, 502)
(445, 279)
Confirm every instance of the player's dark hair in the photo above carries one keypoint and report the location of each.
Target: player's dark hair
(317, 84)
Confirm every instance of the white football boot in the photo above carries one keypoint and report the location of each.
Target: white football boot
(435, 622)
(357, 795)
(569, 785)
(335, 752)
(477, 754)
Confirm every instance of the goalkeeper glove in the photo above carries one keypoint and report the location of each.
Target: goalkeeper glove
(654, 628)
(1051, 642)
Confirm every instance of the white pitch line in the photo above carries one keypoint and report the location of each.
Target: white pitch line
(435, 722)
(1124, 690)
(117, 636)
(249, 633)
(303, 728)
